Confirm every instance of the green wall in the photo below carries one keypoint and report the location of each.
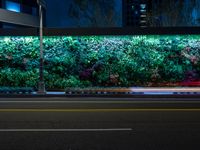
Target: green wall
(84, 61)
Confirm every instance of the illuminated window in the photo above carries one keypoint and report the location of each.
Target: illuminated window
(12, 6)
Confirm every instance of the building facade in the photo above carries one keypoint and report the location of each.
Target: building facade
(172, 13)
(136, 12)
(84, 13)
(100, 13)
(18, 13)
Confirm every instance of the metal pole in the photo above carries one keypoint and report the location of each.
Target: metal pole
(41, 89)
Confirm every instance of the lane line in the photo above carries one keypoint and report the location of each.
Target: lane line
(96, 99)
(105, 110)
(66, 130)
(102, 102)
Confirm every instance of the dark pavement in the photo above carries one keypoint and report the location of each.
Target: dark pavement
(99, 124)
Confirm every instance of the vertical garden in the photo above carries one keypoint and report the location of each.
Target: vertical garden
(101, 61)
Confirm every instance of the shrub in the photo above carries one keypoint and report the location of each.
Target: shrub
(99, 60)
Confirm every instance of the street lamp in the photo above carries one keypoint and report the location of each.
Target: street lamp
(41, 85)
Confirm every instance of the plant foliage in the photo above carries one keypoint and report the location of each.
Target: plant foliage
(100, 60)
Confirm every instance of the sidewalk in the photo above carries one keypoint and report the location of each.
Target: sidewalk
(118, 92)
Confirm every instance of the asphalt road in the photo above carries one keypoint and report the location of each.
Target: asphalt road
(99, 124)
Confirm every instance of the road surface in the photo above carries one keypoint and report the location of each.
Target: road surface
(99, 123)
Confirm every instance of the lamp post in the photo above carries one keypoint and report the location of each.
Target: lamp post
(41, 85)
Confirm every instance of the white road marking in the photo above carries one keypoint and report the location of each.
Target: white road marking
(158, 93)
(65, 130)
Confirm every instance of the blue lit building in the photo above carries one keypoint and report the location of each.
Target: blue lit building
(168, 13)
(135, 12)
(18, 13)
(84, 13)
(101, 13)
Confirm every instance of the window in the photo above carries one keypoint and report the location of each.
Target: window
(12, 6)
